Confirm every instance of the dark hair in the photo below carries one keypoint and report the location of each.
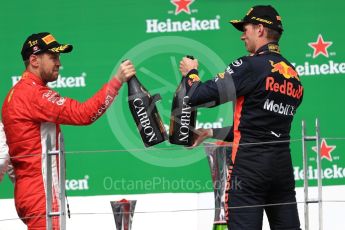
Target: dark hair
(272, 35)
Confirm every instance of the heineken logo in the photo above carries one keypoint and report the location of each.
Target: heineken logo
(62, 81)
(325, 150)
(320, 48)
(193, 24)
(334, 171)
(182, 6)
(330, 67)
(69, 82)
(77, 184)
(175, 24)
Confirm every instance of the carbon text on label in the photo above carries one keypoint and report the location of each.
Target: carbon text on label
(144, 120)
(185, 121)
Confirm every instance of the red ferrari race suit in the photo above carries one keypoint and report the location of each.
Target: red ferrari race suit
(31, 112)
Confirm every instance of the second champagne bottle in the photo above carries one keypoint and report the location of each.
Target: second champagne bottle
(183, 116)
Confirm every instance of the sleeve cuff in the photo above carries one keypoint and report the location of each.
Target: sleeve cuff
(226, 88)
(225, 133)
(115, 84)
(192, 71)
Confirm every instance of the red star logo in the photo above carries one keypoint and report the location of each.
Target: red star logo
(325, 150)
(320, 46)
(182, 5)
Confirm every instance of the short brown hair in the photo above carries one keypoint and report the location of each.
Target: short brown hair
(273, 35)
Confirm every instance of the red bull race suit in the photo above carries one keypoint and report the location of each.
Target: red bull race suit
(266, 90)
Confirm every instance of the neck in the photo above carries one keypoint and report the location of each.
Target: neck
(35, 72)
(261, 43)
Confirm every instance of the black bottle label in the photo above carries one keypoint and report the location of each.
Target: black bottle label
(183, 118)
(145, 123)
(145, 114)
(186, 113)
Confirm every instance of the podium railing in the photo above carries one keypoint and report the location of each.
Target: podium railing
(51, 156)
(308, 201)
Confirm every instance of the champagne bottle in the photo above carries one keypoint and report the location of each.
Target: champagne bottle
(183, 116)
(145, 114)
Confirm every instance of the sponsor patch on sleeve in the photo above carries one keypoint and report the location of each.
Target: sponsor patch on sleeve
(193, 78)
(54, 97)
(237, 63)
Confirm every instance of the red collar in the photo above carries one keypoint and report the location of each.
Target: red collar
(33, 77)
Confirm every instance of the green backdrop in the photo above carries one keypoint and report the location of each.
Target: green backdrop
(108, 157)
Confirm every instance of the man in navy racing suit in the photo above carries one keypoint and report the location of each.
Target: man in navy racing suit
(267, 91)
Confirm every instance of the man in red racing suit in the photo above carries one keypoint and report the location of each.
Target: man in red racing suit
(32, 111)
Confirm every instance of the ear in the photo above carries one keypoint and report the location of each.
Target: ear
(261, 30)
(34, 60)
